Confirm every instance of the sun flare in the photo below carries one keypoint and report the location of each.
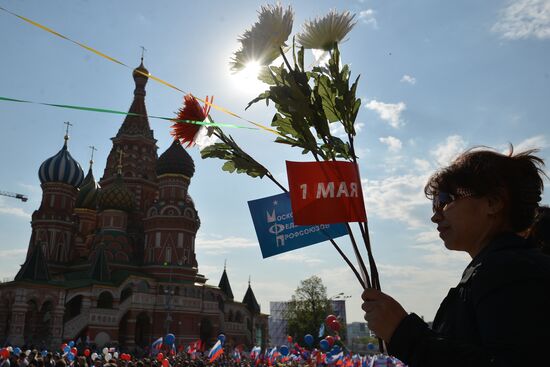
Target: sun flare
(247, 78)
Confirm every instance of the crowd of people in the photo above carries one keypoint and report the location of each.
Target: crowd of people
(34, 358)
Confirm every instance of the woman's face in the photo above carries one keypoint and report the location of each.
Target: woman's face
(464, 224)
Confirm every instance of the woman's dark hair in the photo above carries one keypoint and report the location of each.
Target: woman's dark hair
(485, 171)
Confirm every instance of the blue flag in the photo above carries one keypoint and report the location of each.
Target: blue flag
(272, 217)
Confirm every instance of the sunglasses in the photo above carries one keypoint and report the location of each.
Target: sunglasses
(442, 198)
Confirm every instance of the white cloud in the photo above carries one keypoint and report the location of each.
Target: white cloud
(394, 144)
(535, 142)
(390, 112)
(397, 197)
(367, 17)
(523, 19)
(298, 257)
(447, 151)
(337, 129)
(408, 79)
(16, 252)
(13, 210)
(422, 165)
(213, 244)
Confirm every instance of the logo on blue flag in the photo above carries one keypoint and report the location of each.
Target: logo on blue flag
(272, 217)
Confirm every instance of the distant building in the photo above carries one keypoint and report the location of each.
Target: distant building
(278, 322)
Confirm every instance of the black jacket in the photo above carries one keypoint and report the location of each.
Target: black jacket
(498, 315)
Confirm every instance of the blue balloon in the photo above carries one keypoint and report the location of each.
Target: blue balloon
(284, 350)
(70, 356)
(17, 351)
(71, 343)
(370, 346)
(308, 338)
(221, 338)
(324, 345)
(169, 339)
(67, 349)
(44, 353)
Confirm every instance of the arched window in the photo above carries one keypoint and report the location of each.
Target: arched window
(105, 300)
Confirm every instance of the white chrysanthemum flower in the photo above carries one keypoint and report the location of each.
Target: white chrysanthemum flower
(261, 43)
(205, 138)
(323, 33)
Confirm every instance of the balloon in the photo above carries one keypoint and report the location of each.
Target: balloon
(67, 349)
(44, 353)
(86, 352)
(71, 344)
(105, 350)
(308, 338)
(169, 339)
(330, 340)
(324, 345)
(289, 338)
(284, 350)
(370, 346)
(94, 356)
(221, 338)
(17, 351)
(5, 353)
(70, 357)
(27, 352)
(74, 351)
(108, 357)
(10, 349)
(165, 363)
(160, 357)
(337, 338)
(334, 325)
(330, 318)
(115, 354)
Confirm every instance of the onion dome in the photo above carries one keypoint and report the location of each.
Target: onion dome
(89, 189)
(175, 160)
(116, 196)
(61, 168)
(137, 73)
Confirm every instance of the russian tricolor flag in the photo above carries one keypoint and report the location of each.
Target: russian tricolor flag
(215, 352)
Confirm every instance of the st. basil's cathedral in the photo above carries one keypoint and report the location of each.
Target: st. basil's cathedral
(114, 262)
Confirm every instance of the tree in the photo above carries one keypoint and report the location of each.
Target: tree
(308, 309)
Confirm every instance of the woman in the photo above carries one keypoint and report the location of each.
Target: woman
(499, 313)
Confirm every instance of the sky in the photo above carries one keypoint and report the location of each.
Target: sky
(437, 77)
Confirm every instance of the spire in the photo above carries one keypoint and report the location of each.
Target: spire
(66, 137)
(92, 157)
(225, 286)
(34, 267)
(100, 268)
(250, 300)
(136, 122)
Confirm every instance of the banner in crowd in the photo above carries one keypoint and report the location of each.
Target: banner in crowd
(325, 192)
(276, 231)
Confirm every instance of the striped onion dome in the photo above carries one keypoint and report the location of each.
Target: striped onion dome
(116, 196)
(61, 168)
(87, 197)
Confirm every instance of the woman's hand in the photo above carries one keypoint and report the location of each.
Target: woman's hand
(382, 313)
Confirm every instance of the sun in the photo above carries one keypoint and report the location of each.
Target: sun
(247, 79)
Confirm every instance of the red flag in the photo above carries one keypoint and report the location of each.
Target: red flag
(325, 192)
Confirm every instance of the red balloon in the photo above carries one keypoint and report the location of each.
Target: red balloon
(5, 353)
(160, 357)
(337, 338)
(289, 338)
(334, 325)
(165, 363)
(86, 352)
(330, 340)
(74, 351)
(330, 319)
(296, 346)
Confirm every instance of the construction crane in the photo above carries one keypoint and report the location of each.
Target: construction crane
(21, 197)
